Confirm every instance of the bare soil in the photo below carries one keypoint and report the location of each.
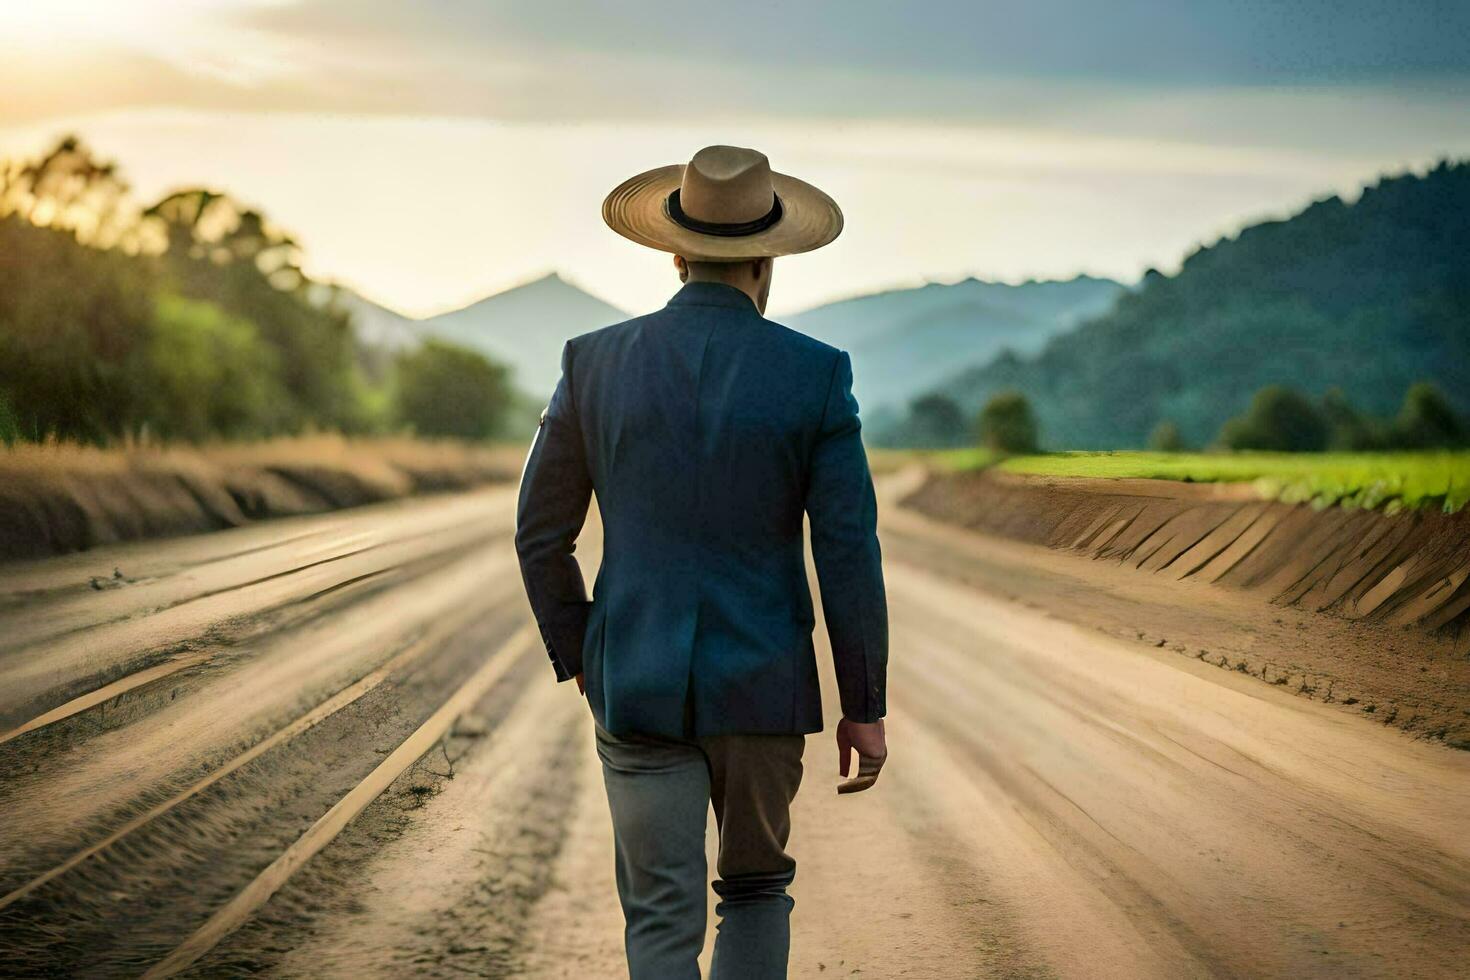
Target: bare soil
(1066, 797)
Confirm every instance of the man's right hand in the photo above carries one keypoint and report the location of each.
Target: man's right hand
(872, 748)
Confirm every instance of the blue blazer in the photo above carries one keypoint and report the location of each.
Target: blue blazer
(706, 432)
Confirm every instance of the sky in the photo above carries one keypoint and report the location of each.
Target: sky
(429, 153)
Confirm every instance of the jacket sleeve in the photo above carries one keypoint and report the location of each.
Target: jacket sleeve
(844, 521)
(554, 495)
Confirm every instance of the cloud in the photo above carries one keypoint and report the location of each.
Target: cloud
(1210, 71)
(1206, 42)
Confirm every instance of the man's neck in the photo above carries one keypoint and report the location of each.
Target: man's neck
(750, 291)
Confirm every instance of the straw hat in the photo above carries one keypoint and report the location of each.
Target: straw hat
(725, 204)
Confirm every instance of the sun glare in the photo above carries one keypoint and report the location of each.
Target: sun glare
(159, 27)
(81, 22)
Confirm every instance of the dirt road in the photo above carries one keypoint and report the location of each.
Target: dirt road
(331, 746)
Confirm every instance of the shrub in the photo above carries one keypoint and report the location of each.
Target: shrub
(447, 390)
(1007, 425)
(1427, 420)
(1165, 438)
(1279, 419)
(936, 422)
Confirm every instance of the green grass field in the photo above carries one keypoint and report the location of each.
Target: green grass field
(1391, 481)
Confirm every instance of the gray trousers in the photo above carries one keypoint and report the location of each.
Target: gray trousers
(659, 791)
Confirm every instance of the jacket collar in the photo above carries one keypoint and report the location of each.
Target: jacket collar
(713, 294)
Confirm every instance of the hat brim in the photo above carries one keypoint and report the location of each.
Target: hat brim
(636, 210)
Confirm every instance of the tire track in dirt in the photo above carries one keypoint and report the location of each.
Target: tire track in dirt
(233, 914)
(341, 699)
(40, 675)
(78, 784)
(446, 891)
(118, 915)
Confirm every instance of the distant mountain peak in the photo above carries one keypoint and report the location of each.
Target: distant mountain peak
(525, 326)
(937, 287)
(546, 287)
(905, 341)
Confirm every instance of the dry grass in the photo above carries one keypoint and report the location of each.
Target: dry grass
(57, 497)
(418, 454)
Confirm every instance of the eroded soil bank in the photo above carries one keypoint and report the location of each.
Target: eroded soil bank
(1410, 569)
(58, 499)
(1378, 605)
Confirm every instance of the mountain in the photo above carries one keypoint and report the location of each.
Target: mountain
(905, 341)
(1371, 296)
(902, 342)
(525, 328)
(377, 326)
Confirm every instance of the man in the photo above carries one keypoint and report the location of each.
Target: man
(707, 432)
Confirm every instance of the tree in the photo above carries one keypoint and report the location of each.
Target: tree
(9, 422)
(74, 324)
(447, 390)
(219, 251)
(1427, 420)
(935, 421)
(1165, 438)
(188, 320)
(1007, 425)
(210, 375)
(1279, 419)
(69, 189)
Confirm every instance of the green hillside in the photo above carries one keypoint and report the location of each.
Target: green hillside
(1371, 296)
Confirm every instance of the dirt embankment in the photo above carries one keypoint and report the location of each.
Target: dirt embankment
(57, 499)
(1408, 569)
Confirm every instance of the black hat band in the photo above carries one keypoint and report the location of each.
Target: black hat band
(736, 229)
